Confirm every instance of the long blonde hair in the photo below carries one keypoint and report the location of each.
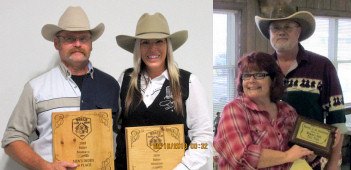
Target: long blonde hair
(139, 67)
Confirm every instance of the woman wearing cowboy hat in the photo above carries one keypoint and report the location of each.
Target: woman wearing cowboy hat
(156, 92)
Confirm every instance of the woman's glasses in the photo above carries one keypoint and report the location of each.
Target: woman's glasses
(257, 76)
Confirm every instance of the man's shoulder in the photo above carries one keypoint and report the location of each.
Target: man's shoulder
(284, 105)
(44, 76)
(102, 75)
(317, 58)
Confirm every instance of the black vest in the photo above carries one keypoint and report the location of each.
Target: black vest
(160, 112)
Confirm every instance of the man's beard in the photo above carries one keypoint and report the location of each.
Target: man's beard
(285, 46)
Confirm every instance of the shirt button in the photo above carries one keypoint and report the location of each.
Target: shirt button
(278, 133)
(82, 101)
(75, 86)
(147, 95)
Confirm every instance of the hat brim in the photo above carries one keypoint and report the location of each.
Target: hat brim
(127, 42)
(304, 18)
(49, 31)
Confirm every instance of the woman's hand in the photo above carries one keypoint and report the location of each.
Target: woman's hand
(337, 136)
(296, 152)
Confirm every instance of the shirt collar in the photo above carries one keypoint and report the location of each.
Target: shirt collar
(301, 55)
(253, 106)
(67, 74)
(249, 103)
(160, 77)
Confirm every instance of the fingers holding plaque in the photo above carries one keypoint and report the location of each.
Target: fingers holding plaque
(313, 135)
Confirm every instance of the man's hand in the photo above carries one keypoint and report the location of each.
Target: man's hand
(59, 165)
(337, 137)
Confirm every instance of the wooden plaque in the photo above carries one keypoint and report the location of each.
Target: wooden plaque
(313, 135)
(84, 137)
(155, 147)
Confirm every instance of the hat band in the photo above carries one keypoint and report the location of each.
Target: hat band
(151, 33)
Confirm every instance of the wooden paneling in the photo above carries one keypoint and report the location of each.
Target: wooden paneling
(224, 1)
(252, 9)
(318, 4)
(331, 13)
(243, 1)
(333, 5)
(310, 3)
(228, 5)
(341, 5)
(348, 5)
(301, 3)
(261, 43)
(243, 35)
(326, 4)
(270, 49)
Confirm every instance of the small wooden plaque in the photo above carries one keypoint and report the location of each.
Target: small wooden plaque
(313, 135)
(84, 137)
(155, 147)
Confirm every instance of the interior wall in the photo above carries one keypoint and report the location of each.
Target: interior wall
(25, 54)
(252, 40)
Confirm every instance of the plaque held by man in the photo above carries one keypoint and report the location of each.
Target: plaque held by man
(313, 135)
(84, 137)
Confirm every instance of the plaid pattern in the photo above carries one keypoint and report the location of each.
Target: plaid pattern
(244, 130)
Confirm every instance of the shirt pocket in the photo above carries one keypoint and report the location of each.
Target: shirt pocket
(258, 132)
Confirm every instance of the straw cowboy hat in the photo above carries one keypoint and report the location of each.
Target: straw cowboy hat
(73, 19)
(152, 27)
(304, 18)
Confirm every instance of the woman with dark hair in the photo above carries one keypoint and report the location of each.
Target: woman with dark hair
(254, 129)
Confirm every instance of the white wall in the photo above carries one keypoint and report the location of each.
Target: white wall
(26, 54)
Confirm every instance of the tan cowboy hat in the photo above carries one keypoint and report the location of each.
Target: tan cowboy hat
(73, 19)
(152, 27)
(304, 18)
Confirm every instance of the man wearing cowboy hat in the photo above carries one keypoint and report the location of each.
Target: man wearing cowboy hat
(313, 86)
(72, 85)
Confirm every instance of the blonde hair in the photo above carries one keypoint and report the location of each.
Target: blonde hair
(139, 67)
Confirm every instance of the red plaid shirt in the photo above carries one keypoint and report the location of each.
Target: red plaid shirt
(244, 130)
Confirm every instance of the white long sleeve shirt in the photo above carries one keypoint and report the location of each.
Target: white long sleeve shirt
(199, 119)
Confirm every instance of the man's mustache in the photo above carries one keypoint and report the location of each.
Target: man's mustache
(78, 50)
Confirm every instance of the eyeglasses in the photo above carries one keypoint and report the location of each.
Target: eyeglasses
(149, 43)
(286, 28)
(257, 76)
(72, 39)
